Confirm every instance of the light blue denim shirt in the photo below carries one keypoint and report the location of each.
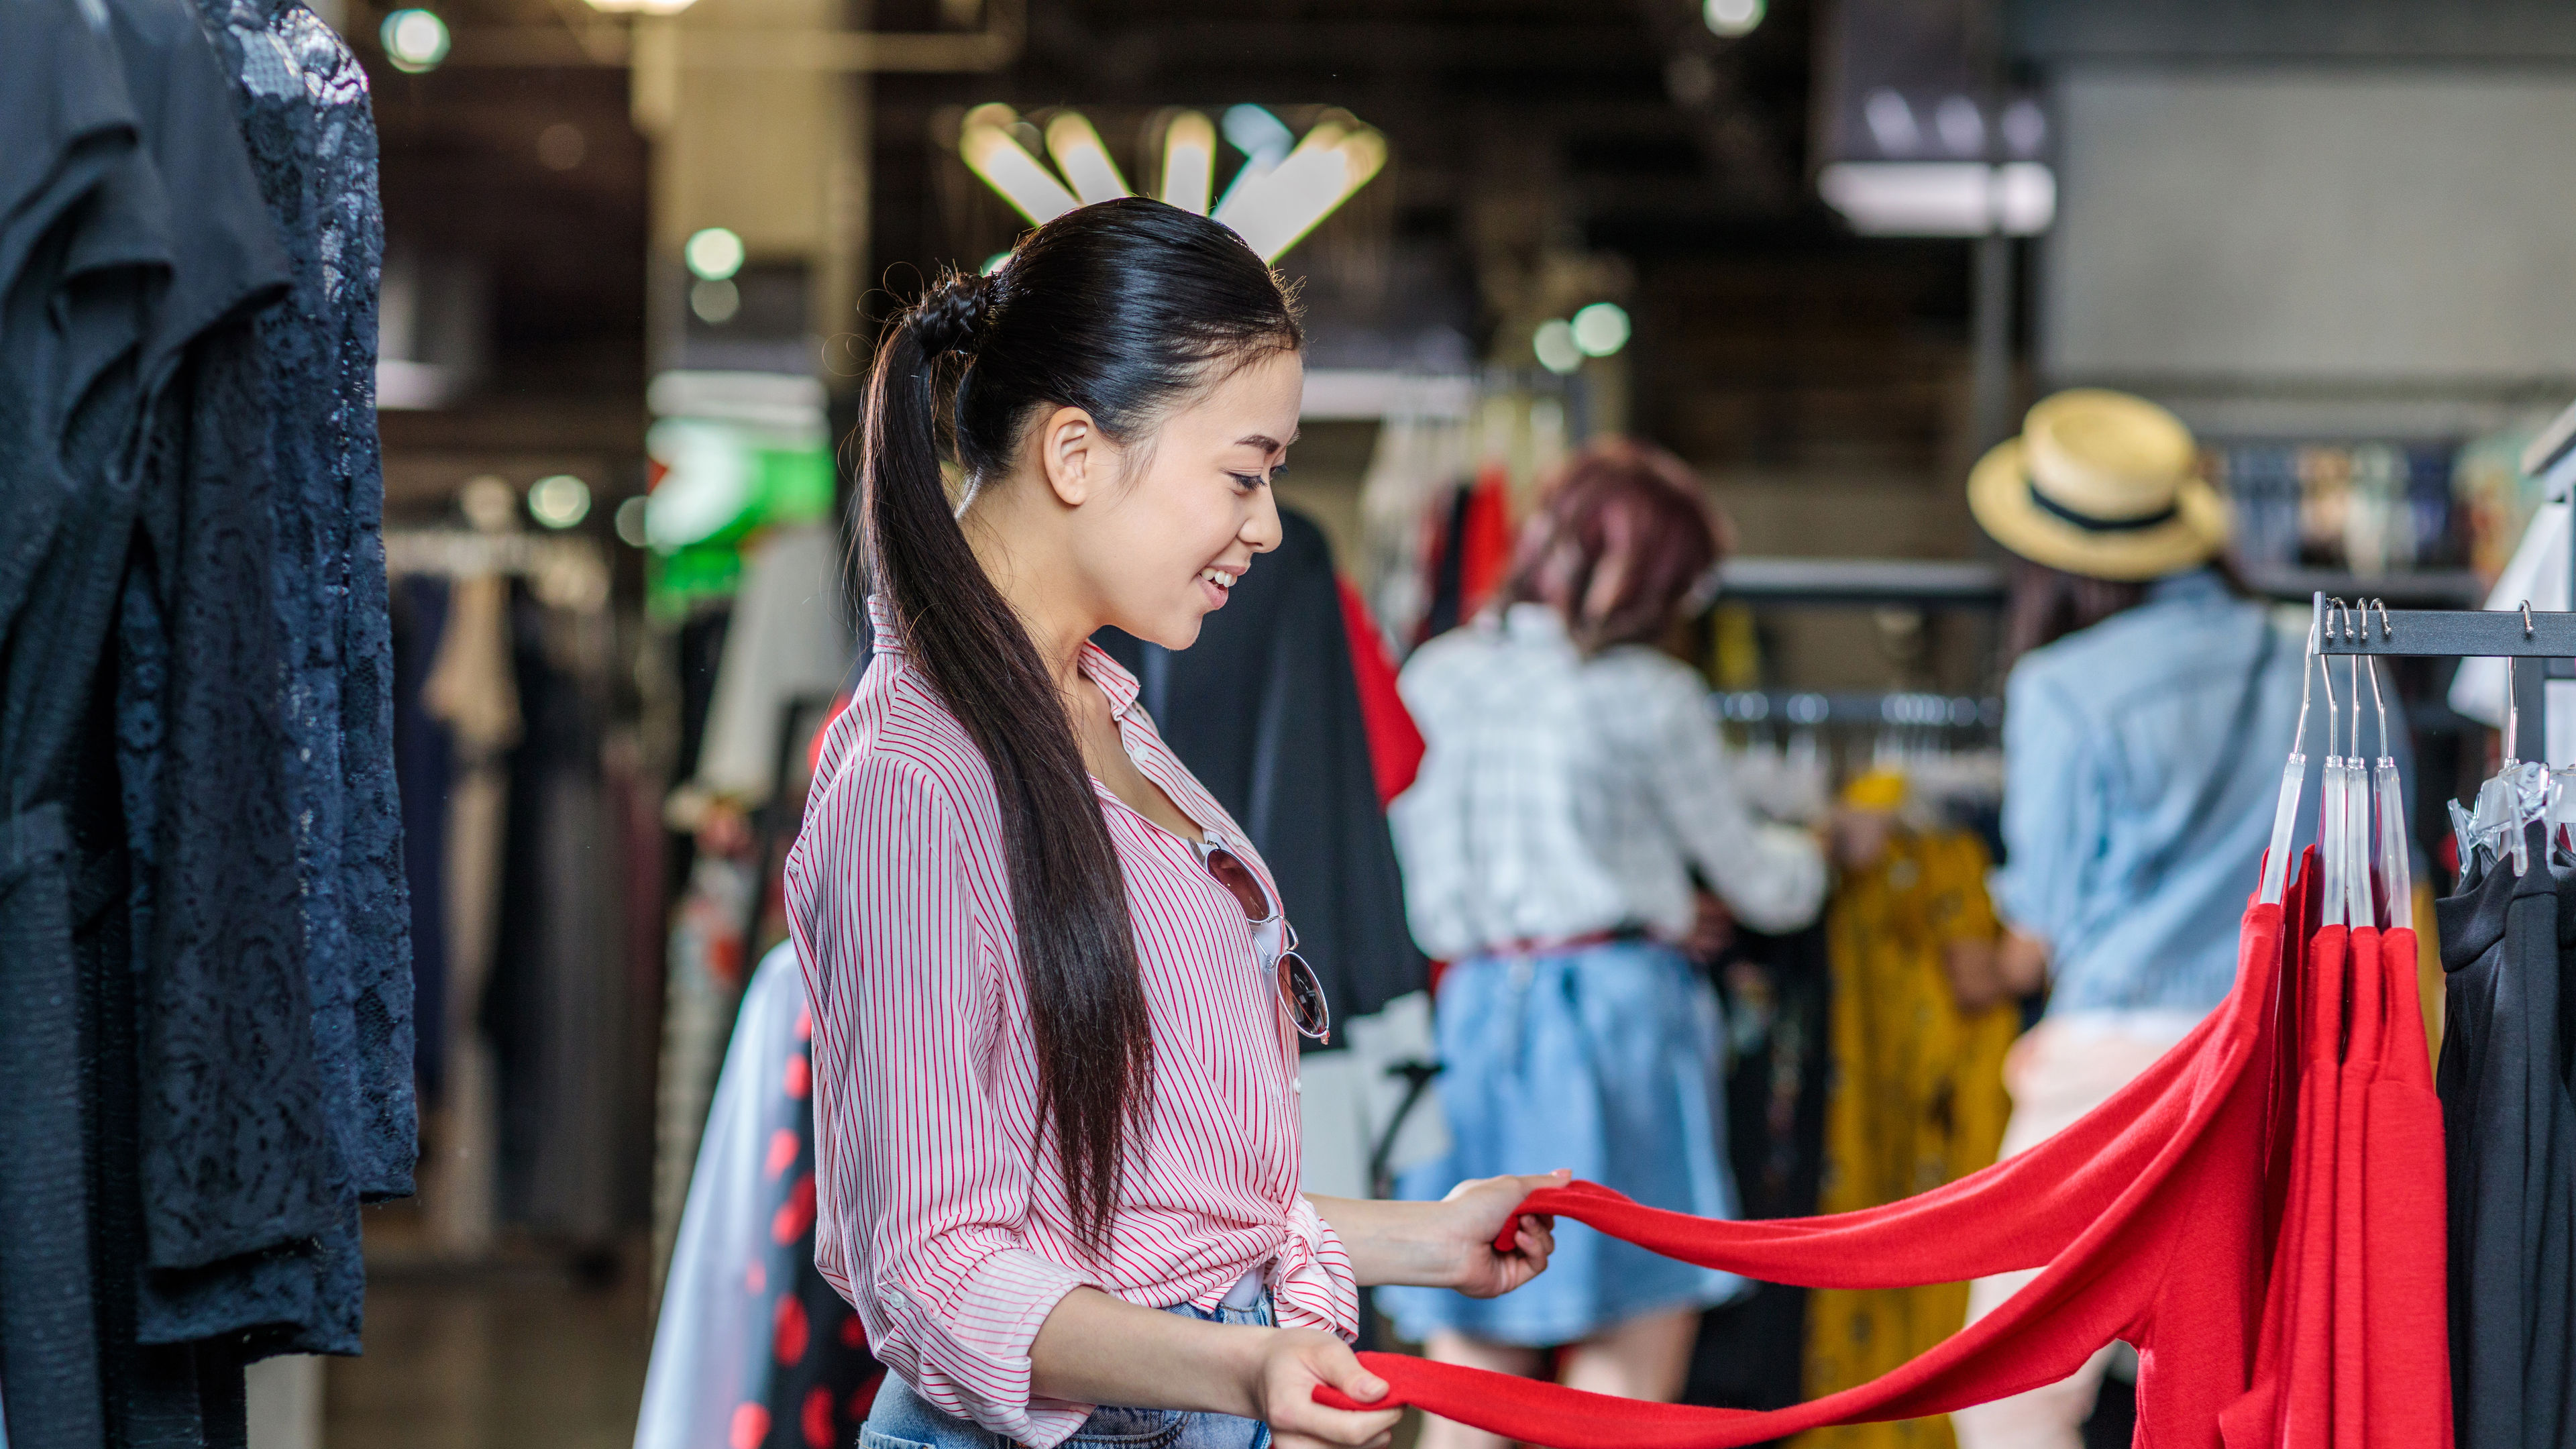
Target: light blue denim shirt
(2111, 736)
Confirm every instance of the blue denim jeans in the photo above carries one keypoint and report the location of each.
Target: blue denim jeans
(902, 1419)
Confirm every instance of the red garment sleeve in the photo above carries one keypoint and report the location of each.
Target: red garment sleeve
(2015, 1214)
(1395, 741)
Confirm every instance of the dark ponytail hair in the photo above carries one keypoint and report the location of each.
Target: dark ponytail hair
(1125, 310)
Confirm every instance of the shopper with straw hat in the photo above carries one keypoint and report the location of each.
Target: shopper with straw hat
(2149, 702)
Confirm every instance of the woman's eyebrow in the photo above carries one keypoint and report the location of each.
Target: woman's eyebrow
(1265, 442)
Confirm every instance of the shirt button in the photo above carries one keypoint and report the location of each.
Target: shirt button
(1297, 1085)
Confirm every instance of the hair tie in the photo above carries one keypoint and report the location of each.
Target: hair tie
(949, 316)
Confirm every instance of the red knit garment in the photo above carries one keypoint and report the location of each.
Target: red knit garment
(2361, 1045)
(2406, 1395)
(2290, 1398)
(2296, 1130)
(2167, 1257)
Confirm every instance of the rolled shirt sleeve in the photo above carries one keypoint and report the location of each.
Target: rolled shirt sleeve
(924, 1169)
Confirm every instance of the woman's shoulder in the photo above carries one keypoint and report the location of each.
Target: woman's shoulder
(1643, 677)
(898, 737)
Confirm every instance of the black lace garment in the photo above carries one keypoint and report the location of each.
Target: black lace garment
(303, 106)
(276, 1075)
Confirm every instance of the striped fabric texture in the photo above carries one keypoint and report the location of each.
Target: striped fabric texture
(942, 1216)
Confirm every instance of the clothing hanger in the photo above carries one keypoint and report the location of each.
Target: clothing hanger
(2335, 896)
(2294, 774)
(2396, 863)
(2521, 791)
(2356, 805)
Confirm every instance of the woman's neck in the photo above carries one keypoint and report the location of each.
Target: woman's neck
(1033, 583)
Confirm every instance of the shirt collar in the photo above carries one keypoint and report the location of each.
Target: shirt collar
(1112, 677)
(889, 640)
(1114, 681)
(2196, 586)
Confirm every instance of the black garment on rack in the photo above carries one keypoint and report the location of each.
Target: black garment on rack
(254, 709)
(300, 98)
(2509, 1133)
(236, 1165)
(174, 1176)
(1265, 711)
(65, 126)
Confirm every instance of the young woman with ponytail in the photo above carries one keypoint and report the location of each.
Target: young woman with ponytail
(1056, 1004)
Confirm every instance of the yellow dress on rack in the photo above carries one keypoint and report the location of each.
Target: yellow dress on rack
(1916, 1100)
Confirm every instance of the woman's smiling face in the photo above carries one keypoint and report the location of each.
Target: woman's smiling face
(1161, 551)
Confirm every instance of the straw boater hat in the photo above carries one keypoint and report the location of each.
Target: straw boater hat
(2099, 483)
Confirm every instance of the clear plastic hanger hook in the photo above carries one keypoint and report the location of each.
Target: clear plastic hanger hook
(2294, 770)
(2335, 895)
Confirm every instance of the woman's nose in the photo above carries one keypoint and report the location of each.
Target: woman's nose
(1262, 530)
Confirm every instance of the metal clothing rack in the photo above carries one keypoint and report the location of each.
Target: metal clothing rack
(566, 572)
(2526, 633)
(1895, 709)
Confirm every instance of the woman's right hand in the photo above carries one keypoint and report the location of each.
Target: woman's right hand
(1282, 1390)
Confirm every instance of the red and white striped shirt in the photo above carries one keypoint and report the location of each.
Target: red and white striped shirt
(942, 1216)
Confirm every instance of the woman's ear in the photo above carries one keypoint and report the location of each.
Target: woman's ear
(1077, 458)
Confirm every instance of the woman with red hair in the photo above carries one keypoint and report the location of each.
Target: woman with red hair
(1573, 785)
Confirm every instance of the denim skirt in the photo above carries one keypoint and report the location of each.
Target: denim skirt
(903, 1419)
(1606, 1059)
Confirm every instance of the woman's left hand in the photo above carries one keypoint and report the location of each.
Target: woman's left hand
(1473, 1216)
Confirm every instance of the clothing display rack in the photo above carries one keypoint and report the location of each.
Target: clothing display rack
(1970, 584)
(523, 840)
(2525, 633)
(566, 572)
(1900, 709)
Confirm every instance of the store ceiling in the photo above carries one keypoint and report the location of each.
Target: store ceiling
(1620, 133)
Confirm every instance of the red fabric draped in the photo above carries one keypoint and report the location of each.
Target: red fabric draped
(2217, 1213)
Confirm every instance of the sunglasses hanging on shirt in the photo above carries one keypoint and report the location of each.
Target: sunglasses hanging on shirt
(1300, 991)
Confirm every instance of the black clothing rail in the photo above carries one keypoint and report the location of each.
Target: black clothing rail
(2524, 633)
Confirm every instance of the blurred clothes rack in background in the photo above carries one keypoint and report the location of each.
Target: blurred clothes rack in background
(533, 834)
(1454, 470)
(1793, 749)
